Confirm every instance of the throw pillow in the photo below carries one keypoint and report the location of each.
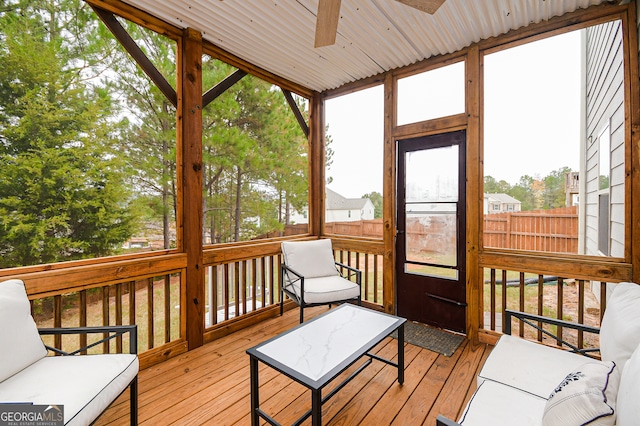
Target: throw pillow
(587, 396)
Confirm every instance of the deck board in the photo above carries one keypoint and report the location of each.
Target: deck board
(210, 385)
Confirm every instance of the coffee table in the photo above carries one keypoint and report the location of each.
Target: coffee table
(317, 351)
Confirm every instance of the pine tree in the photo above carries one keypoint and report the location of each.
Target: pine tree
(62, 185)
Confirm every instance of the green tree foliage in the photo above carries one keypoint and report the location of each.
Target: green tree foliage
(62, 186)
(492, 186)
(149, 145)
(87, 139)
(554, 188)
(534, 194)
(376, 200)
(255, 157)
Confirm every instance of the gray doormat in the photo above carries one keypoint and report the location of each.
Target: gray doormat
(430, 338)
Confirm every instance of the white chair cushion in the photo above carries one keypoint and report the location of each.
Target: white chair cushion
(620, 330)
(627, 404)
(327, 289)
(84, 384)
(496, 404)
(532, 367)
(20, 342)
(586, 396)
(311, 259)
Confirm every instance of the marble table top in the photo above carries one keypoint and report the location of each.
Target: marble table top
(318, 347)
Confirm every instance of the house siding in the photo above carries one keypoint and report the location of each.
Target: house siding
(604, 108)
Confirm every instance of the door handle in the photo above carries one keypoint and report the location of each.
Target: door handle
(444, 299)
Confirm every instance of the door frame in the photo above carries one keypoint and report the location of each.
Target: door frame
(459, 294)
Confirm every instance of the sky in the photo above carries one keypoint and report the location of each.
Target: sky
(530, 129)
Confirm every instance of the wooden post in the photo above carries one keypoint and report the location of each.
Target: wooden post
(632, 140)
(189, 172)
(316, 166)
(475, 197)
(389, 198)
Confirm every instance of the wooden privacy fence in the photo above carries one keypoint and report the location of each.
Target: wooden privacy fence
(553, 230)
(359, 228)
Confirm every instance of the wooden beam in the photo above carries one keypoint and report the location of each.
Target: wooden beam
(233, 60)
(137, 54)
(137, 16)
(222, 87)
(296, 111)
(189, 173)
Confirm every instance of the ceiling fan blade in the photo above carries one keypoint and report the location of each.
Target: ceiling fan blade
(429, 6)
(327, 22)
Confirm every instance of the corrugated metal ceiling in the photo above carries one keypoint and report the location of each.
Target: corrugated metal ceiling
(373, 35)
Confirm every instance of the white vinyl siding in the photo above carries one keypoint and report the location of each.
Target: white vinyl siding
(605, 108)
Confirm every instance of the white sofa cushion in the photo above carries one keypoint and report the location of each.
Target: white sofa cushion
(20, 342)
(586, 396)
(327, 289)
(311, 259)
(620, 330)
(532, 367)
(628, 406)
(84, 384)
(497, 404)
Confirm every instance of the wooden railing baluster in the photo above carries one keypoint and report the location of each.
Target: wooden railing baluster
(521, 304)
(603, 299)
(150, 313)
(82, 317)
(214, 298)
(225, 291)
(493, 299)
(167, 308)
(236, 288)
(366, 276)
(275, 278)
(375, 279)
(105, 315)
(263, 282)
(560, 304)
(57, 319)
(119, 315)
(254, 283)
(504, 299)
(580, 312)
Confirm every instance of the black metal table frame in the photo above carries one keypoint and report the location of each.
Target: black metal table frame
(316, 386)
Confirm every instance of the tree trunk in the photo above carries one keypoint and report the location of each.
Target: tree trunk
(238, 195)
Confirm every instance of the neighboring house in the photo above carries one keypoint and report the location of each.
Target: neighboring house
(602, 189)
(501, 203)
(340, 209)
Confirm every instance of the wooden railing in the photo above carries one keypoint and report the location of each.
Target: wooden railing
(575, 300)
(238, 285)
(153, 303)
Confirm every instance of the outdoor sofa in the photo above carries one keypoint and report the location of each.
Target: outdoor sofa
(78, 386)
(526, 383)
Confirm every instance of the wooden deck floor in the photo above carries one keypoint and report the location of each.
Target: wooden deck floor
(210, 386)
